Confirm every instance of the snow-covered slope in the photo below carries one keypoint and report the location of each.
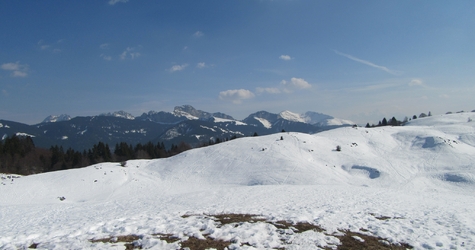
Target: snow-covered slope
(335, 122)
(289, 116)
(412, 184)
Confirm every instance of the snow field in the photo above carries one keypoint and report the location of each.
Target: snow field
(412, 184)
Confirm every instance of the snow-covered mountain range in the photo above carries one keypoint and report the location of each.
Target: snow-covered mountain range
(404, 186)
(185, 124)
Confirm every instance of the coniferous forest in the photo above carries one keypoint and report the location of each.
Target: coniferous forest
(18, 155)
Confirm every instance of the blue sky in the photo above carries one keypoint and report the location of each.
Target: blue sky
(357, 60)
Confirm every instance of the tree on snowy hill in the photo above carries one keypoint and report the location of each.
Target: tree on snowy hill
(393, 122)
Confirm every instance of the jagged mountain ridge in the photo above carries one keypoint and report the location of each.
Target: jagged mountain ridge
(120, 114)
(185, 123)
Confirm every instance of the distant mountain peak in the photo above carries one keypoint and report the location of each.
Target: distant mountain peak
(56, 118)
(120, 114)
(188, 111)
(191, 113)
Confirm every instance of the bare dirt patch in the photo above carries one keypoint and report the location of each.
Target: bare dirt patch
(358, 241)
(348, 239)
(202, 244)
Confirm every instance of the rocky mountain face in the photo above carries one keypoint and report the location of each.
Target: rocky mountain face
(184, 124)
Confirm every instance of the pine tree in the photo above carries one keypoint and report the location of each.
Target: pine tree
(393, 122)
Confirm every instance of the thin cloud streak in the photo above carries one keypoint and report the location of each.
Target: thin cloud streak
(393, 72)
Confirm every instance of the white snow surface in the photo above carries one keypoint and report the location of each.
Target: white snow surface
(264, 122)
(185, 114)
(294, 117)
(336, 122)
(217, 119)
(23, 134)
(421, 176)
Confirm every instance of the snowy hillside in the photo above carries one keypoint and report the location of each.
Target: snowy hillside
(407, 185)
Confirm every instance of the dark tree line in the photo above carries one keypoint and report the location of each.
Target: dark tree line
(18, 155)
(394, 122)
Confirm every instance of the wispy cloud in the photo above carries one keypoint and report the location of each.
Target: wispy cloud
(286, 86)
(285, 57)
(104, 46)
(393, 72)
(379, 86)
(106, 57)
(236, 96)
(129, 53)
(112, 2)
(17, 69)
(201, 65)
(50, 47)
(416, 82)
(268, 90)
(175, 68)
(297, 82)
(198, 34)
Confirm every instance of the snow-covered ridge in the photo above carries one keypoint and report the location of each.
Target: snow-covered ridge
(294, 117)
(185, 114)
(314, 119)
(335, 122)
(56, 118)
(120, 114)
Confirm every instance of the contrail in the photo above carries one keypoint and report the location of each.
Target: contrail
(393, 72)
